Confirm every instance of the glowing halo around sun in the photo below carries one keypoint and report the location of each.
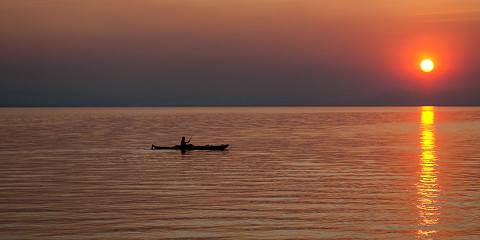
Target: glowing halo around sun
(427, 65)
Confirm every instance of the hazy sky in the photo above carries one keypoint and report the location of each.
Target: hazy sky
(240, 52)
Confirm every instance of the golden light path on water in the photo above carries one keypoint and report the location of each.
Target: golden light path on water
(427, 186)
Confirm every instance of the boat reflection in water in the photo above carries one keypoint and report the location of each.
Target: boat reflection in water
(427, 187)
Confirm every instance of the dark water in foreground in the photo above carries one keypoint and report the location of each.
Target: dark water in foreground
(291, 173)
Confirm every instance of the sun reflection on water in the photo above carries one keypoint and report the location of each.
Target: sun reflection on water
(427, 186)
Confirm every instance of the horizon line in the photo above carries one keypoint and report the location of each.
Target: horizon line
(233, 106)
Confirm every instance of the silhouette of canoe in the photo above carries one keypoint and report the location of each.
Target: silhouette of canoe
(193, 147)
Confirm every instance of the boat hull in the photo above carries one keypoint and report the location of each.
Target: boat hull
(222, 147)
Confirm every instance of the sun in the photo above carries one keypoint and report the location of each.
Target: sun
(427, 65)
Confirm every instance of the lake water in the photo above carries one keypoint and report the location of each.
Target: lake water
(290, 173)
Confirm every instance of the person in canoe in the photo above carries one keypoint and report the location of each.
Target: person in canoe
(185, 144)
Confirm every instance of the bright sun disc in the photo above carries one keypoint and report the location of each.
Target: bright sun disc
(427, 65)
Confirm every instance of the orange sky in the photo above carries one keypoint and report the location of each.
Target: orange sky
(374, 38)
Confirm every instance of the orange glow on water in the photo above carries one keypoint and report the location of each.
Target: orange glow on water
(428, 116)
(427, 186)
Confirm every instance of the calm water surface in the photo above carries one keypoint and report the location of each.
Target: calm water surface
(291, 173)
